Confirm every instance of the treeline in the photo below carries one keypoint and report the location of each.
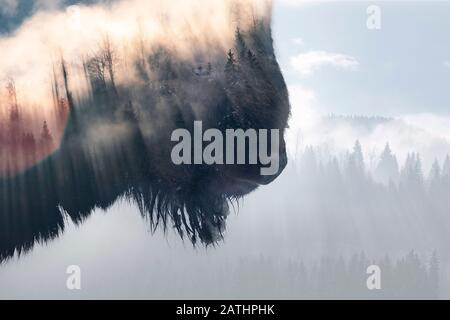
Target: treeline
(408, 277)
(366, 123)
(386, 208)
(22, 145)
(408, 177)
(262, 276)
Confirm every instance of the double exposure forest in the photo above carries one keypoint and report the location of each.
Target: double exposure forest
(111, 139)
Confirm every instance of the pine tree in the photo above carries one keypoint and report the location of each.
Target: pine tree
(411, 177)
(387, 170)
(446, 171)
(434, 178)
(12, 94)
(418, 168)
(358, 155)
(356, 165)
(15, 124)
(231, 69)
(231, 62)
(241, 47)
(46, 138)
(253, 61)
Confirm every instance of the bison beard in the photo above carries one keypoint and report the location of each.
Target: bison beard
(116, 144)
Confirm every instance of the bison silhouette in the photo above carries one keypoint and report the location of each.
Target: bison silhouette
(116, 142)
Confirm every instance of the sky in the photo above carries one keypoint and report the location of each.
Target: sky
(401, 68)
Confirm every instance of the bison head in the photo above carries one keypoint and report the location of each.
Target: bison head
(122, 110)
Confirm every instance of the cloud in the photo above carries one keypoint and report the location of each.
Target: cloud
(306, 63)
(304, 117)
(447, 64)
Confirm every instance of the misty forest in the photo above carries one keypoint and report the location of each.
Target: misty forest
(339, 214)
(330, 217)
